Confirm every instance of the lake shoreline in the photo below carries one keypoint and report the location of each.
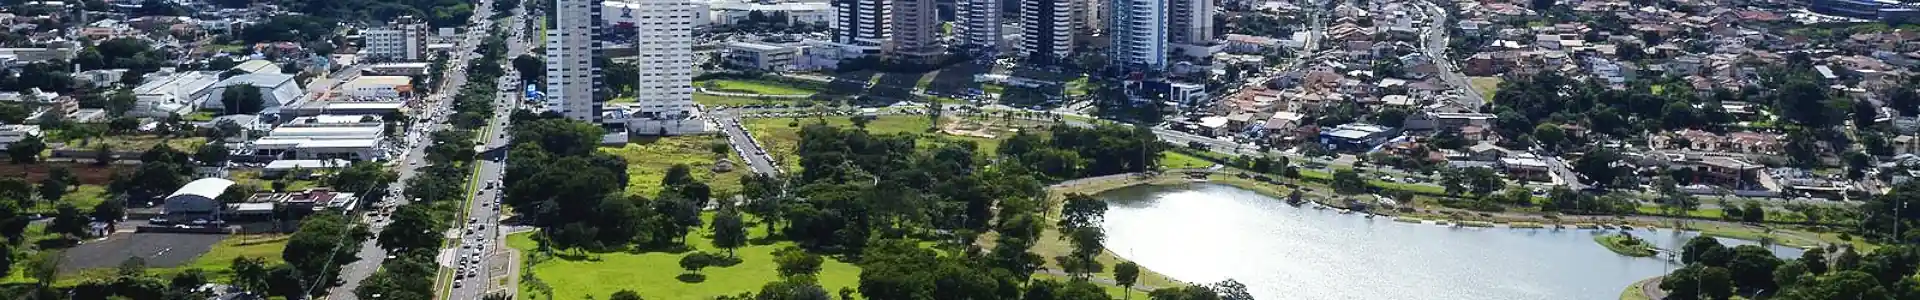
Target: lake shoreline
(1097, 185)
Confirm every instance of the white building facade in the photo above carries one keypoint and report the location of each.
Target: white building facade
(574, 81)
(1046, 32)
(404, 40)
(1139, 32)
(862, 24)
(664, 35)
(977, 26)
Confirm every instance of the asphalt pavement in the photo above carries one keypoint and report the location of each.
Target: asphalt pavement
(430, 118)
(482, 262)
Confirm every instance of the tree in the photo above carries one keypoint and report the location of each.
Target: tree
(796, 262)
(317, 250)
(1697, 281)
(1752, 212)
(26, 150)
(1081, 210)
(242, 99)
(110, 210)
(729, 231)
(1705, 250)
(1126, 273)
(625, 295)
(1347, 181)
(1815, 261)
(530, 67)
(68, 221)
(1752, 267)
(411, 227)
(693, 262)
(52, 189)
(212, 154)
(1549, 135)
(677, 175)
(250, 273)
(1597, 166)
(801, 288)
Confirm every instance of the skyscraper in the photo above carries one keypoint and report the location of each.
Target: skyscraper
(977, 27)
(663, 48)
(862, 23)
(574, 82)
(1046, 32)
(1190, 22)
(1139, 33)
(913, 24)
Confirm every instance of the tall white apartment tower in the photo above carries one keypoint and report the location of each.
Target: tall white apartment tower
(574, 82)
(862, 23)
(1138, 30)
(664, 55)
(1047, 29)
(977, 25)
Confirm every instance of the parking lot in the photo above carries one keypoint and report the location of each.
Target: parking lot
(159, 249)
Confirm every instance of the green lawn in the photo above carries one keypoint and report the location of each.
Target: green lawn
(199, 116)
(751, 86)
(215, 262)
(1485, 85)
(1177, 160)
(261, 184)
(84, 197)
(653, 274)
(649, 158)
(1078, 87)
(718, 100)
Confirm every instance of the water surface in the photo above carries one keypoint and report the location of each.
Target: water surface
(1207, 232)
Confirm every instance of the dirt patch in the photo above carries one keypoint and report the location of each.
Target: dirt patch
(88, 173)
(161, 250)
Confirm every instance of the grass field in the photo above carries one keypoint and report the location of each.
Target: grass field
(653, 274)
(649, 158)
(84, 197)
(252, 177)
(216, 262)
(762, 87)
(780, 140)
(1485, 85)
(1177, 160)
(136, 143)
(718, 100)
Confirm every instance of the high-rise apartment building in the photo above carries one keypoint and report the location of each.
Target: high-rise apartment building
(403, 40)
(1138, 32)
(914, 22)
(575, 86)
(663, 35)
(862, 23)
(1046, 32)
(977, 25)
(1190, 22)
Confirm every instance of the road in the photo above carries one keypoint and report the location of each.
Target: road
(482, 264)
(431, 116)
(1435, 46)
(750, 149)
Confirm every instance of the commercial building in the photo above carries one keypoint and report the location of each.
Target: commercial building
(325, 137)
(977, 26)
(1046, 32)
(14, 133)
(380, 87)
(1139, 33)
(276, 90)
(312, 108)
(1355, 137)
(397, 69)
(914, 23)
(862, 25)
(1882, 10)
(664, 31)
(403, 40)
(196, 202)
(574, 80)
(762, 56)
(164, 94)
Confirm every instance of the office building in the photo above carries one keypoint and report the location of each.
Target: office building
(1046, 33)
(664, 55)
(862, 24)
(574, 81)
(1138, 31)
(404, 40)
(977, 26)
(914, 23)
(762, 56)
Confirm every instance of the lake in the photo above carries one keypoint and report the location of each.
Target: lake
(1205, 233)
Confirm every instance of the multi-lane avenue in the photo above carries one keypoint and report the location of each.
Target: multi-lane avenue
(481, 263)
